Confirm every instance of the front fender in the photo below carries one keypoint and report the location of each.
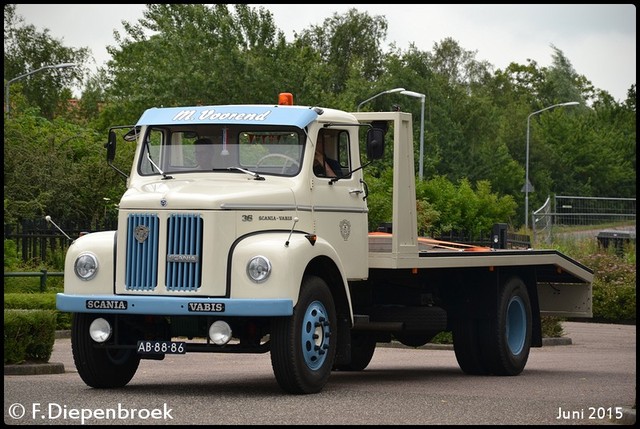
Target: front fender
(101, 245)
(288, 264)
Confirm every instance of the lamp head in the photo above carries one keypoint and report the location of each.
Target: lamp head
(413, 94)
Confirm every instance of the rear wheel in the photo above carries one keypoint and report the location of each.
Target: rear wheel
(467, 345)
(511, 330)
(303, 346)
(500, 345)
(97, 366)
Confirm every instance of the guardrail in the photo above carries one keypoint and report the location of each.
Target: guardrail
(43, 274)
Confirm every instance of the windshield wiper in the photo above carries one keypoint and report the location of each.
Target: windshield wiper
(255, 175)
(164, 175)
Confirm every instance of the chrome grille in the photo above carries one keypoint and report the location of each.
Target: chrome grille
(142, 252)
(184, 252)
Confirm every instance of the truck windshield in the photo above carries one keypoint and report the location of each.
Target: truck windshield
(264, 150)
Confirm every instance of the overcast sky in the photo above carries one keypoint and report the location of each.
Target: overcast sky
(598, 40)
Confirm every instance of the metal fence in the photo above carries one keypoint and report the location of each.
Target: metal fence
(43, 274)
(36, 240)
(569, 211)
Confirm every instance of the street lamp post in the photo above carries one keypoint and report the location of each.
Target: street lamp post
(422, 98)
(9, 82)
(388, 91)
(526, 179)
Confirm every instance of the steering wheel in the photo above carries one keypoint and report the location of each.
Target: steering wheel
(288, 161)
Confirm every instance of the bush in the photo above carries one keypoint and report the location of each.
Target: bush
(31, 284)
(614, 288)
(614, 280)
(28, 335)
(38, 301)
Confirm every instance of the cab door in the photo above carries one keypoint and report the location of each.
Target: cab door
(339, 208)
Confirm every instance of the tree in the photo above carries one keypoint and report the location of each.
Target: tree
(55, 168)
(26, 50)
(181, 54)
(349, 46)
(561, 82)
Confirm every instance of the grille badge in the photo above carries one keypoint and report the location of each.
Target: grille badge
(141, 233)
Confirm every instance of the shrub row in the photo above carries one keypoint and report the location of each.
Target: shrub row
(28, 335)
(38, 301)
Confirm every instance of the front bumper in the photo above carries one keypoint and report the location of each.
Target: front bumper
(173, 306)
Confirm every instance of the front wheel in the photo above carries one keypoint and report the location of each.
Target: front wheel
(303, 346)
(100, 367)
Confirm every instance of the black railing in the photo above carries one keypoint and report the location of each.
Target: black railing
(36, 241)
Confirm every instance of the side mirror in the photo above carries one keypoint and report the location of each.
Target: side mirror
(375, 143)
(111, 147)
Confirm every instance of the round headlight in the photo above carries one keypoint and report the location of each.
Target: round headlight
(258, 269)
(86, 266)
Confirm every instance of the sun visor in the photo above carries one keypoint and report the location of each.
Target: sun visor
(297, 116)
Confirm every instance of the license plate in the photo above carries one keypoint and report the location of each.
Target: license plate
(147, 347)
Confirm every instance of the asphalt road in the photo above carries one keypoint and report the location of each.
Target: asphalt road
(590, 381)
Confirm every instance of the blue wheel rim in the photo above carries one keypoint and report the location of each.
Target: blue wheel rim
(516, 325)
(316, 332)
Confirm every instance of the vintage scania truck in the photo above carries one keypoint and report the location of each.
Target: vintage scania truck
(257, 251)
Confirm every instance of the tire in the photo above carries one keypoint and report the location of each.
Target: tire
(100, 367)
(467, 345)
(303, 346)
(510, 330)
(499, 346)
(362, 349)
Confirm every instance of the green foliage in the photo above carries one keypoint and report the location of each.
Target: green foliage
(10, 255)
(27, 50)
(474, 120)
(614, 283)
(445, 337)
(442, 206)
(31, 284)
(552, 327)
(56, 168)
(28, 335)
(461, 208)
(38, 301)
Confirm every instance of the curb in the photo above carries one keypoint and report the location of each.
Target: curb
(34, 368)
(39, 368)
(628, 417)
(546, 342)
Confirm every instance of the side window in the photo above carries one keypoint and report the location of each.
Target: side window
(343, 151)
(153, 144)
(332, 153)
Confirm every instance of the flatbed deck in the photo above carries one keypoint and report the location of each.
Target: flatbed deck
(551, 265)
